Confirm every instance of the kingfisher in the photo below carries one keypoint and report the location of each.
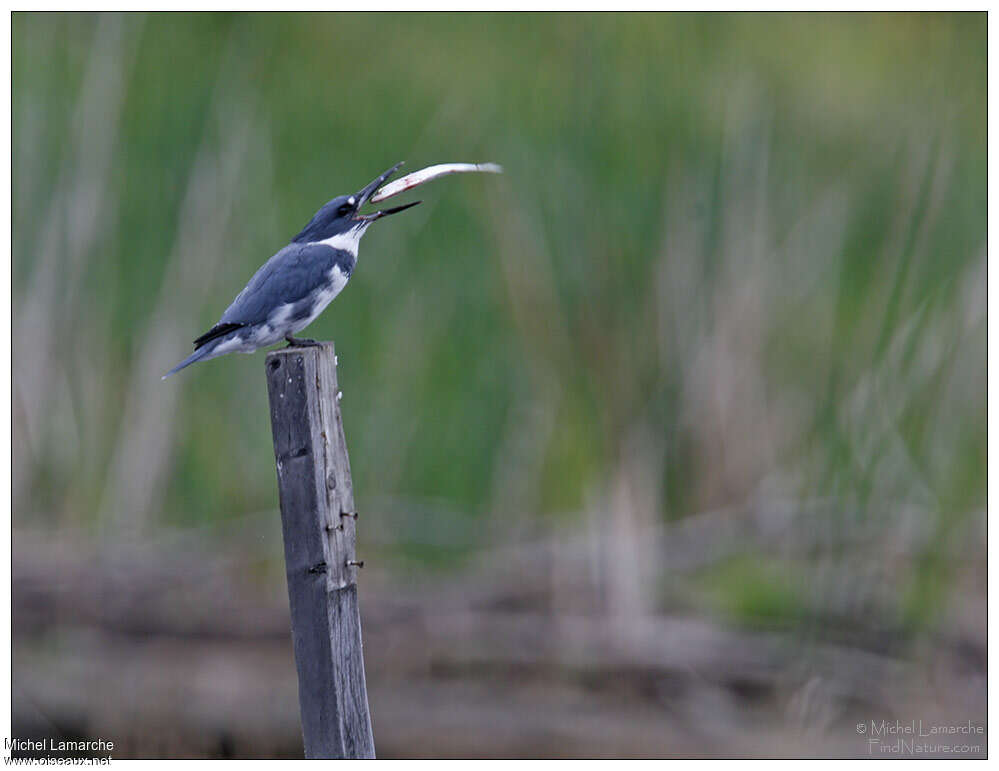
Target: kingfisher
(295, 285)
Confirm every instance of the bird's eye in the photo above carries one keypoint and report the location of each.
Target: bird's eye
(344, 210)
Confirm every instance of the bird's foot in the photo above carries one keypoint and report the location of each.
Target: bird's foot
(301, 342)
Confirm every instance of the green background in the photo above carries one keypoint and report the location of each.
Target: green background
(733, 260)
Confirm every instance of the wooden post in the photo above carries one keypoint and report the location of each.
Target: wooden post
(318, 518)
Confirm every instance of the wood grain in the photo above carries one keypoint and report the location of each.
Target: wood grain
(318, 521)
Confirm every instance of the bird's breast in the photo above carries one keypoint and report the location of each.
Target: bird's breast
(316, 302)
(336, 280)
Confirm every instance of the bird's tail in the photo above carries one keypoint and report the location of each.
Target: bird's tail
(202, 353)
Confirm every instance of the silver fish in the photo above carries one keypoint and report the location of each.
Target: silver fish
(431, 172)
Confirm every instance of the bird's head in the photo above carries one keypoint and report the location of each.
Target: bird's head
(342, 215)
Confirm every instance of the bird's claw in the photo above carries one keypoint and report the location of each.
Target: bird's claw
(301, 342)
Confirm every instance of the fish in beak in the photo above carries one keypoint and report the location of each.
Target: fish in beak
(364, 195)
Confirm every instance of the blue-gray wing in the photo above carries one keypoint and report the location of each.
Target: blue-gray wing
(289, 276)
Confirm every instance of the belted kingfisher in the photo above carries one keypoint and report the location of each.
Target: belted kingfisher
(295, 285)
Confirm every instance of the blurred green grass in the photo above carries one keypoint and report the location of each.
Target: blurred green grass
(753, 244)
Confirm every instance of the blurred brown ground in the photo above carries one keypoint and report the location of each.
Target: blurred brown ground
(177, 650)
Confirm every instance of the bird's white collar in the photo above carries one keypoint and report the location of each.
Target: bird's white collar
(346, 242)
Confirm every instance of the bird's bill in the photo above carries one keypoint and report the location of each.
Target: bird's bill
(364, 195)
(385, 212)
(368, 190)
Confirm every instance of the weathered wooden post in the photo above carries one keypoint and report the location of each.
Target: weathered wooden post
(318, 518)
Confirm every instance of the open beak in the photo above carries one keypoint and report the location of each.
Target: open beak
(369, 190)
